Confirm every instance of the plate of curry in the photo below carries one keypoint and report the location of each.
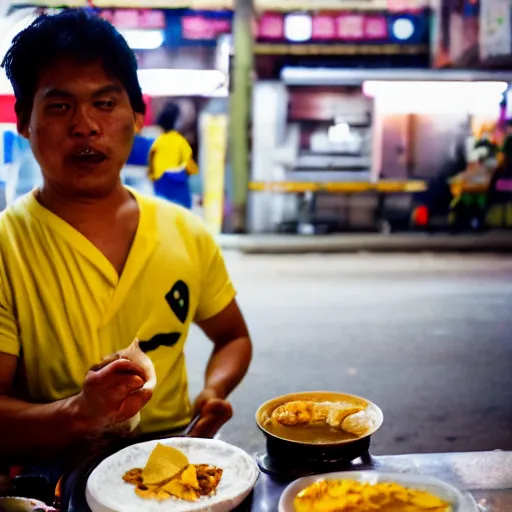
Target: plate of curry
(372, 491)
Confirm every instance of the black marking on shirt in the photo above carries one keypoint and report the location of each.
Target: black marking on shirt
(178, 300)
(160, 340)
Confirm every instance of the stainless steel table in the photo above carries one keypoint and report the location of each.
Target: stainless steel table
(485, 477)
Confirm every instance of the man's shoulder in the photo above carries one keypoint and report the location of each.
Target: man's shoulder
(16, 216)
(171, 214)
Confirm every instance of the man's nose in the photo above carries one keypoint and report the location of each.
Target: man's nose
(84, 123)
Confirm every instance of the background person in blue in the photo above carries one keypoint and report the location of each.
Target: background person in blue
(171, 161)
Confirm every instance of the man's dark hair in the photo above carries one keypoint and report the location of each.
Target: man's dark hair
(75, 33)
(169, 117)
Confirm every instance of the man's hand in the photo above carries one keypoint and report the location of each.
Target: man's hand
(214, 411)
(110, 395)
(227, 365)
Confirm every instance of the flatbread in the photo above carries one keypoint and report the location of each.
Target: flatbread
(132, 353)
(164, 463)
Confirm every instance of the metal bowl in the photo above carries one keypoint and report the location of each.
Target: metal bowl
(301, 457)
(17, 504)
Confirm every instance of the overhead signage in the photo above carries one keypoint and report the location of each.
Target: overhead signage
(135, 18)
(205, 5)
(328, 27)
(188, 27)
(259, 5)
(165, 4)
(198, 27)
(340, 5)
(343, 27)
(125, 19)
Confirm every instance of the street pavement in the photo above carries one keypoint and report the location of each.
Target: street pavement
(427, 337)
(408, 242)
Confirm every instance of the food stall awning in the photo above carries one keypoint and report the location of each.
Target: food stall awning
(133, 4)
(299, 76)
(259, 5)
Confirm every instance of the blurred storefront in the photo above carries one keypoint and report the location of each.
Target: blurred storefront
(362, 122)
(355, 112)
(183, 57)
(472, 34)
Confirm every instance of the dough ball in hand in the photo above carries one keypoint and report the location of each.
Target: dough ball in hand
(134, 354)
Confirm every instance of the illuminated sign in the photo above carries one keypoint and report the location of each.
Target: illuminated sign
(188, 27)
(129, 19)
(134, 18)
(259, 5)
(298, 27)
(375, 27)
(204, 28)
(271, 26)
(323, 28)
(350, 27)
(403, 29)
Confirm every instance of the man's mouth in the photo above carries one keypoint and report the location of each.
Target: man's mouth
(88, 156)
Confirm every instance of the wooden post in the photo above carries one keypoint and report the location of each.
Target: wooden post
(240, 109)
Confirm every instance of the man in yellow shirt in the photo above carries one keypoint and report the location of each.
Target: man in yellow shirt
(171, 160)
(87, 265)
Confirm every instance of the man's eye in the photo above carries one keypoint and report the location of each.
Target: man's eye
(105, 105)
(59, 107)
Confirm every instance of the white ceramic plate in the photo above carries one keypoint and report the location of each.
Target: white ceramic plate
(460, 502)
(107, 492)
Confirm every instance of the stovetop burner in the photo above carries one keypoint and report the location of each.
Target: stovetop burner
(283, 470)
(285, 459)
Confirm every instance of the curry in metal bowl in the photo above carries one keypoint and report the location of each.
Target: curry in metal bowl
(319, 418)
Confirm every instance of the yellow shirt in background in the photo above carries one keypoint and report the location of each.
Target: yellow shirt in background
(63, 306)
(171, 152)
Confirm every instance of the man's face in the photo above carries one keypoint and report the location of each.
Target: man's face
(81, 128)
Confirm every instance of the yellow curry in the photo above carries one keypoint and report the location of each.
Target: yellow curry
(352, 496)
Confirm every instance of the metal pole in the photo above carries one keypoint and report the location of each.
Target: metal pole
(240, 108)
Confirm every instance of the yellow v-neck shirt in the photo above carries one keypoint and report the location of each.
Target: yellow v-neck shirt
(63, 307)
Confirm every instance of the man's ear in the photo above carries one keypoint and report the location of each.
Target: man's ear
(23, 128)
(22, 119)
(139, 122)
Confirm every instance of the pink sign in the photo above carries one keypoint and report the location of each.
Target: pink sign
(199, 27)
(375, 27)
(350, 27)
(152, 18)
(331, 27)
(504, 185)
(324, 27)
(134, 18)
(271, 26)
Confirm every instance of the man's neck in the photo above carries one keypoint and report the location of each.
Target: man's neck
(78, 210)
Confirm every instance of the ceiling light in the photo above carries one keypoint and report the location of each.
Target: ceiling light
(436, 97)
(183, 82)
(138, 39)
(298, 27)
(403, 29)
